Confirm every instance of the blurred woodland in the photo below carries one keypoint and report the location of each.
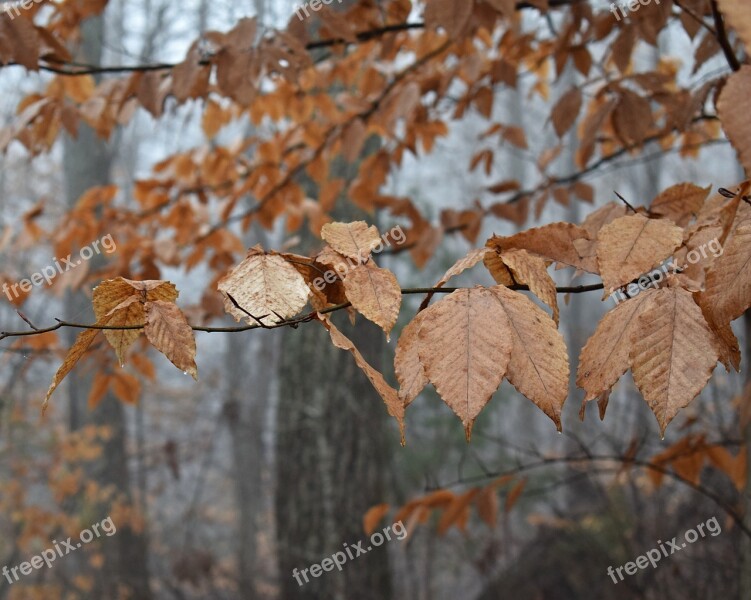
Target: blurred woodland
(265, 268)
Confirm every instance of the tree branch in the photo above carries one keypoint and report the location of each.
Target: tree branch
(284, 323)
(722, 38)
(623, 460)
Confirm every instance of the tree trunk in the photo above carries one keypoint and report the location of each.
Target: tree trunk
(247, 397)
(330, 462)
(87, 162)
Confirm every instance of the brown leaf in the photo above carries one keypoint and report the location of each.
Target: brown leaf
(487, 505)
(120, 304)
(373, 517)
(375, 293)
(169, 332)
(554, 241)
(98, 389)
(632, 245)
(354, 240)
(456, 511)
(394, 405)
(498, 269)
(451, 15)
(728, 287)
(77, 350)
(597, 219)
(465, 348)
(538, 368)
(605, 356)
(531, 270)
(735, 118)
(680, 203)
(513, 496)
(20, 42)
(673, 352)
(566, 111)
(409, 370)
(266, 286)
(126, 387)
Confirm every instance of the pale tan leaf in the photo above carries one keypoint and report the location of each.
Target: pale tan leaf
(531, 270)
(734, 115)
(554, 241)
(169, 332)
(266, 286)
(375, 293)
(409, 370)
(738, 15)
(680, 203)
(673, 352)
(355, 240)
(538, 368)
(465, 347)
(390, 397)
(605, 356)
(632, 245)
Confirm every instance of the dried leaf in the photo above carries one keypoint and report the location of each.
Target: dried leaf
(531, 270)
(538, 368)
(375, 293)
(373, 517)
(77, 350)
(738, 15)
(680, 203)
(266, 286)
(736, 120)
(728, 288)
(394, 405)
(409, 370)
(554, 241)
(605, 356)
(632, 245)
(169, 332)
(673, 352)
(465, 348)
(354, 240)
(456, 511)
(566, 111)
